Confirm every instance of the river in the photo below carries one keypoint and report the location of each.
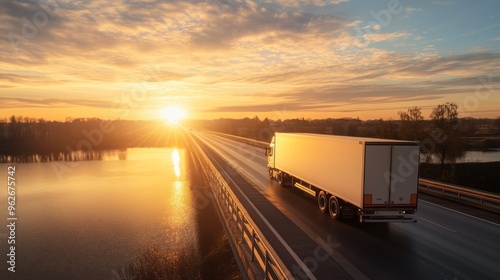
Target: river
(481, 156)
(91, 219)
(472, 156)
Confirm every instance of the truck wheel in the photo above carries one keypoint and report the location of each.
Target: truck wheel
(281, 179)
(323, 201)
(271, 173)
(334, 207)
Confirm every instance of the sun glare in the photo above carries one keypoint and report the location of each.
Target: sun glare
(173, 114)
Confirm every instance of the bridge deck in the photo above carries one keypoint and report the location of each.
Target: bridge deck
(320, 264)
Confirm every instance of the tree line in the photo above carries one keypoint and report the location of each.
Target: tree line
(443, 135)
(23, 135)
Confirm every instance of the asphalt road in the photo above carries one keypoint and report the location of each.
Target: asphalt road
(443, 244)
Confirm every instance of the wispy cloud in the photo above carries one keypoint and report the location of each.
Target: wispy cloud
(300, 3)
(216, 53)
(445, 2)
(408, 11)
(374, 38)
(411, 10)
(51, 103)
(91, 41)
(27, 79)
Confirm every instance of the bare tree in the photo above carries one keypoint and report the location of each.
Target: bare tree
(386, 129)
(412, 124)
(447, 133)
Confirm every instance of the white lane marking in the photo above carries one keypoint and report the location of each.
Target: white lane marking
(436, 224)
(458, 212)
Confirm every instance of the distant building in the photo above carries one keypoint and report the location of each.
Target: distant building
(487, 130)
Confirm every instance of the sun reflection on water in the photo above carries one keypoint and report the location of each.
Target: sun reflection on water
(180, 214)
(155, 180)
(176, 159)
(178, 184)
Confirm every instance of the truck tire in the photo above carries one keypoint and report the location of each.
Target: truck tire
(271, 173)
(323, 202)
(281, 179)
(334, 208)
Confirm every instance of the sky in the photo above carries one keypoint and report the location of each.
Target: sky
(278, 59)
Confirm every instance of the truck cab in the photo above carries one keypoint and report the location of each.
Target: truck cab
(270, 154)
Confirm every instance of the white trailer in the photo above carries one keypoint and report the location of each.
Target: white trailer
(374, 179)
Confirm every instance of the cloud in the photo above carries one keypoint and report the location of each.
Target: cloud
(479, 63)
(243, 25)
(318, 102)
(393, 78)
(375, 38)
(486, 81)
(27, 79)
(369, 93)
(301, 3)
(219, 53)
(268, 107)
(411, 10)
(6, 102)
(120, 40)
(444, 2)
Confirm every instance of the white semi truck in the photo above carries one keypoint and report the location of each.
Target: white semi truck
(373, 179)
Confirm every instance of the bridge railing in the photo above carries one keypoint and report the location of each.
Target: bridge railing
(482, 199)
(487, 200)
(257, 255)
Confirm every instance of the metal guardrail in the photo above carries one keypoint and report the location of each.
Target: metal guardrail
(487, 200)
(260, 253)
(482, 199)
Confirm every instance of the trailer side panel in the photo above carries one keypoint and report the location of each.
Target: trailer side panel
(333, 166)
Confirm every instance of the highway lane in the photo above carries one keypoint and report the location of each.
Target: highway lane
(444, 244)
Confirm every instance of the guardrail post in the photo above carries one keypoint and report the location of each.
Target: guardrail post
(266, 263)
(253, 245)
(242, 227)
(237, 217)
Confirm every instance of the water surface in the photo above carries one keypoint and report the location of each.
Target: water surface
(89, 219)
(481, 156)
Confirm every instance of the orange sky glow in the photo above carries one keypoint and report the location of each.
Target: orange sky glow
(277, 59)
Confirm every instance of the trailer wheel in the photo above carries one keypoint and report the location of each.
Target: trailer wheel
(334, 207)
(323, 201)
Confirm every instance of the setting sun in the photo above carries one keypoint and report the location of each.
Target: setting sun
(173, 114)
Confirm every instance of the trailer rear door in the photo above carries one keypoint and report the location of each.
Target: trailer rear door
(376, 183)
(404, 175)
